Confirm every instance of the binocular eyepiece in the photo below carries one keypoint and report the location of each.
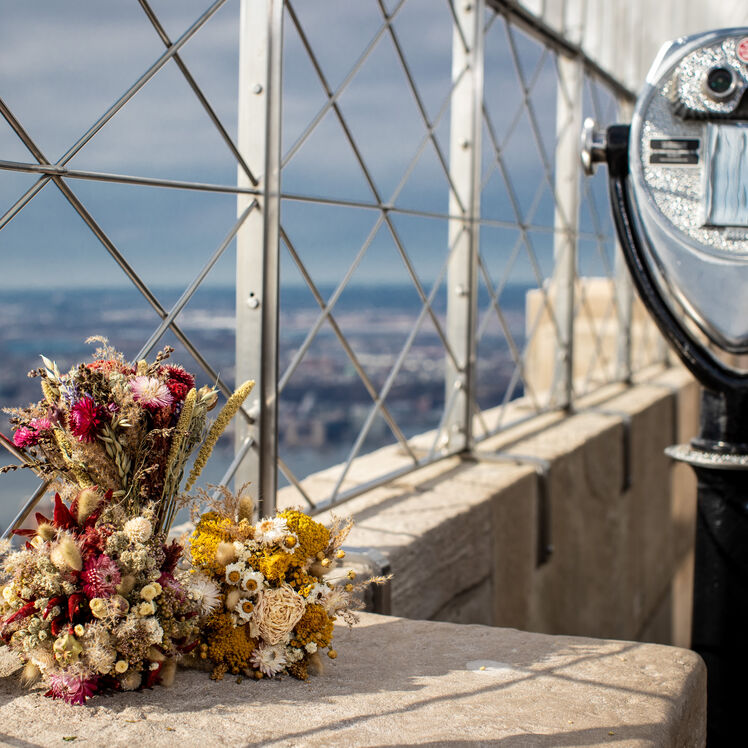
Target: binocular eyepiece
(687, 180)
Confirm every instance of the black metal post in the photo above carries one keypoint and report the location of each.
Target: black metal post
(719, 456)
(720, 612)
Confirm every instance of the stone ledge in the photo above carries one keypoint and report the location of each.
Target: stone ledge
(400, 682)
(461, 536)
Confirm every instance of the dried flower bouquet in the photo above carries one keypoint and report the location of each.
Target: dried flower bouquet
(94, 601)
(126, 429)
(267, 608)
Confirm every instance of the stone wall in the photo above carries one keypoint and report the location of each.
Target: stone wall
(463, 536)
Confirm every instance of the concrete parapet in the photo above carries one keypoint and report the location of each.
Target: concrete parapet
(400, 682)
(462, 536)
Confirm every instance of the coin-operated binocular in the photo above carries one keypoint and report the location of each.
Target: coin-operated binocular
(678, 180)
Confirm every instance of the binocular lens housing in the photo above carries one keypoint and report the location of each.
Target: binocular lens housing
(720, 82)
(688, 176)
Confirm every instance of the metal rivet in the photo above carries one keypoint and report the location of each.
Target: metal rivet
(257, 88)
(464, 144)
(253, 302)
(467, 7)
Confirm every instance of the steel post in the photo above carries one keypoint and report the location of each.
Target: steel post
(566, 223)
(464, 232)
(257, 246)
(624, 290)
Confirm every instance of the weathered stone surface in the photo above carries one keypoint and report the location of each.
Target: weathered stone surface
(437, 534)
(621, 519)
(474, 605)
(515, 552)
(399, 682)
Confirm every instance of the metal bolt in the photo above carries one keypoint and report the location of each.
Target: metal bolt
(253, 302)
(464, 144)
(467, 7)
(257, 88)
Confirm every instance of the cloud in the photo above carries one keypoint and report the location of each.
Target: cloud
(63, 64)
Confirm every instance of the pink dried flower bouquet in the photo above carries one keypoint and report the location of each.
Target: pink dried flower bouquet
(94, 601)
(128, 429)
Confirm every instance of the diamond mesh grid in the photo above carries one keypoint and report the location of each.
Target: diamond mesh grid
(367, 237)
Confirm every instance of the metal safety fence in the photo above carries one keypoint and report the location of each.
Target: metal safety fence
(412, 236)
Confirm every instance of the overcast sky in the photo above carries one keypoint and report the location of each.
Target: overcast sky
(63, 64)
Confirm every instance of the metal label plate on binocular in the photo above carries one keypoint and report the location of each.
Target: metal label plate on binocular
(688, 159)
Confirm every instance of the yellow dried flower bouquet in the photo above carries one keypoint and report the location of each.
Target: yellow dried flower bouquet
(262, 591)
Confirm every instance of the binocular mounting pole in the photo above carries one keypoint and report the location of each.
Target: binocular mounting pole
(719, 457)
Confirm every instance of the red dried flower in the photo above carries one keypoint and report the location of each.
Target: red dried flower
(100, 576)
(62, 518)
(93, 540)
(178, 390)
(179, 381)
(178, 374)
(86, 418)
(72, 688)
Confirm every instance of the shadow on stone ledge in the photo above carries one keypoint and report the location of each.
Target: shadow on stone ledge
(401, 682)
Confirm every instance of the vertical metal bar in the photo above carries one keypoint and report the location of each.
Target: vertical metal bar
(624, 290)
(257, 267)
(566, 223)
(465, 172)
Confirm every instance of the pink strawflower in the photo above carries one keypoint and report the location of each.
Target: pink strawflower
(40, 424)
(25, 437)
(150, 392)
(100, 576)
(72, 688)
(86, 418)
(28, 436)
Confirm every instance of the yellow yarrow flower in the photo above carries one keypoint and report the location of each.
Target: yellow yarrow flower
(211, 530)
(313, 537)
(228, 645)
(274, 566)
(315, 626)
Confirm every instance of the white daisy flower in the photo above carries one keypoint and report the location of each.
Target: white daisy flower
(234, 573)
(289, 542)
(269, 659)
(205, 592)
(245, 609)
(252, 581)
(271, 530)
